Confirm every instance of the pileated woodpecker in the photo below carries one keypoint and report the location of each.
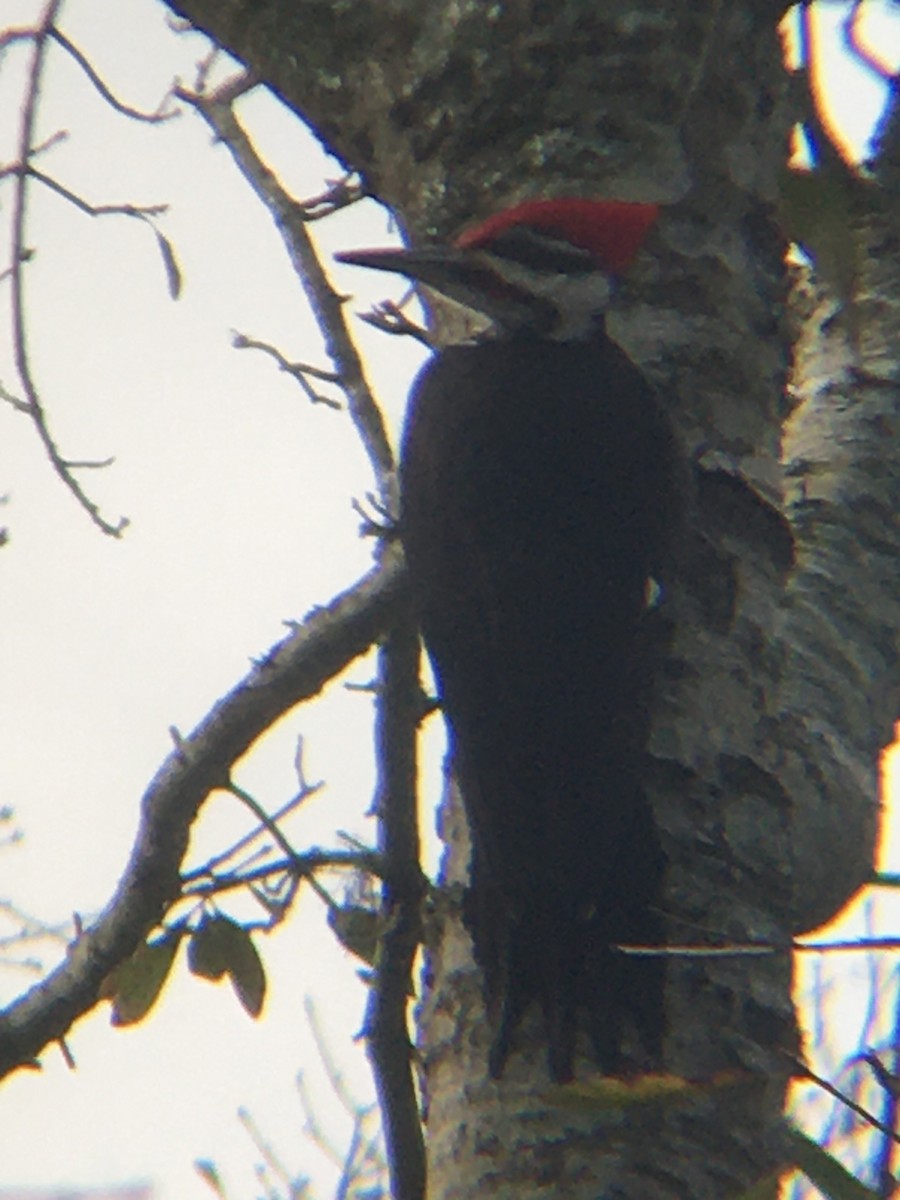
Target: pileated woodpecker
(539, 486)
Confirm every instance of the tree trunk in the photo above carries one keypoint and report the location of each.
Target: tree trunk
(773, 707)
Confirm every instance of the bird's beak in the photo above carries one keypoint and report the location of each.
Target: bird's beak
(467, 277)
(434, 266)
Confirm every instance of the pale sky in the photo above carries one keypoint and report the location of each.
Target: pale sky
(239, 493)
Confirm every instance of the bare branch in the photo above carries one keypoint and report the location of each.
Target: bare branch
(297, 1187)
(340, 193)
(22, 171)
(386, 1025)
(125, 109)
(213, 864)
(18, 257)
(365, 1150)
(89, 464)
(294, 670)
(802, 1071)
(297, 867)
(8, 37)
(760, 949)
(290, 218)
(140, 211)
(299, 371)
(389, 317)
(263, 817)
(8, 397)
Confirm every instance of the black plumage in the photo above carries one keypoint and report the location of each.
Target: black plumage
(539, 490)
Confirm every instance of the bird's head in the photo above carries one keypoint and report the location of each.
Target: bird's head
(544, 265)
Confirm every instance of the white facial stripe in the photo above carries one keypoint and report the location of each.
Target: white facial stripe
(578, 299)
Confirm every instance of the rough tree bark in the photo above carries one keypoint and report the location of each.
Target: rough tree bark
(776, 700)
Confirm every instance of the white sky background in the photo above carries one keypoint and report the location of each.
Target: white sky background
(239, 495)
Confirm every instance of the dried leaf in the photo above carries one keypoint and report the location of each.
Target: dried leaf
(170, 262)
(208, 948)
(357, 929)
(245, 967)
(220, 947)
(135, 985)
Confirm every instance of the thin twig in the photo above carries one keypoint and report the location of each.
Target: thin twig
(291, 217)
(23, 171)
(7, 396)
(298, 1187)
(267, 822)
(203, 884)
(365, 1149)
(18, 257)
(805, 1072)
(884, 1154)
(214, 863)
(300, 371)
(335, 1076)
(125, 109)
(8, 37)
(340, 193)
(388, 317)
(141, 211)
